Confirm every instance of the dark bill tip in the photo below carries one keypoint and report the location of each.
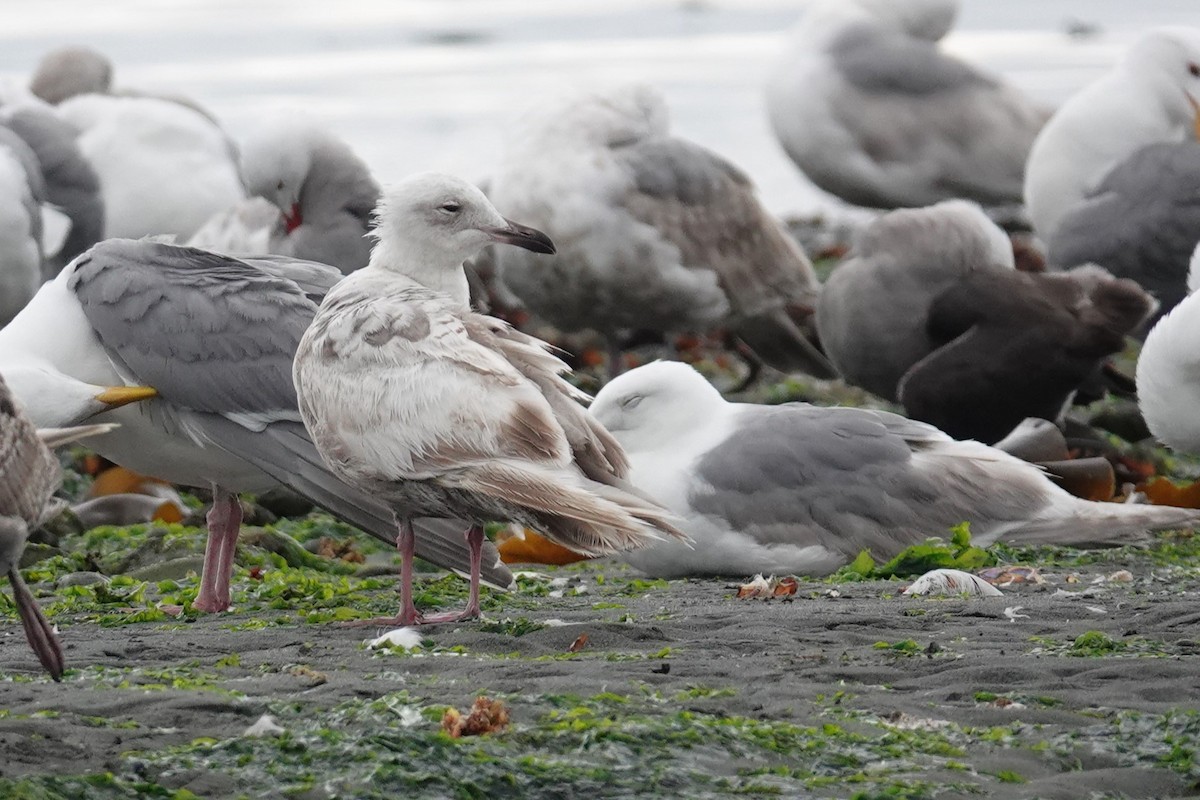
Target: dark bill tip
(521, 236)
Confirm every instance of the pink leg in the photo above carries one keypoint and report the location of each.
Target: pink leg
(38, 630)
(406, 544)
(224, 523)
(472, 611)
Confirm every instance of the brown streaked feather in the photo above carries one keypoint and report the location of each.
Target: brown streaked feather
(529, 434)
(29, 472)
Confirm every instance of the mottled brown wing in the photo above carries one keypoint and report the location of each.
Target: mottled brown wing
(29, 472)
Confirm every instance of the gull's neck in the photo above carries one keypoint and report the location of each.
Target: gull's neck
(432, 268)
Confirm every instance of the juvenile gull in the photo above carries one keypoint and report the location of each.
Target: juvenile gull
(654, 233)
(213, 338)
(437, 410)
(1011, 345)
(872, 111)
(1142, 222)
(803, 489)
(1151, 95)
(29, 476)
(873, 313)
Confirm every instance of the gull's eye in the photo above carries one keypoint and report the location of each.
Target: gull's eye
(631, 402)
(279, 186)
(451, 207)
(1194, 68)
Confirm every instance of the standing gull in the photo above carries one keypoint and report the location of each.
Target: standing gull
(437, 410)
(1151, 95)
(654, 233)
(872, 111)
(213, 339)
(874, 309)
(804, 489)
(29, 475)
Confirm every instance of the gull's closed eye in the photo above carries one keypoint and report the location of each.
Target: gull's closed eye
(451, 207)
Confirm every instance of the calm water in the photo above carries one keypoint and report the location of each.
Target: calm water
(423, 84)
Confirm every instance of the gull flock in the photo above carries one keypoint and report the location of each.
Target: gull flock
(237, 316)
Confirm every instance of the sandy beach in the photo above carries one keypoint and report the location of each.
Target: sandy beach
(1082, 686)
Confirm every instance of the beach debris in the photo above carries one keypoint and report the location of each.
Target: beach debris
(1007, 703)
(1013, 616)
(1120, 576)
(518, 545)
(579, 643)
(907, 722)
(767, 587)
(1011, 574)
(305, 672)
(402, 638)
(486, 716)
(265, 726)
(951, 581)
(662, 669)
(1161, 491)
(343, 550)
(1097, 609)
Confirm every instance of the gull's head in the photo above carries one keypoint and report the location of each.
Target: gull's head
(1167, 61)
(956, 234)
(53, 400)
(275, 164)
(656, 404)
(824, 20)
(71, 71)
(430, 223)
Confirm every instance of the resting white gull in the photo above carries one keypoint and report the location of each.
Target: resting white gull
(1142, 222)
(1011, 345)
(1168, 372)
(803, 489)
(874, 308)
(29, 476)
(1150, 96)
(324, 192)
(213, 338)
(654, 233)
(437, 410)
(872, 111)
(164, 168)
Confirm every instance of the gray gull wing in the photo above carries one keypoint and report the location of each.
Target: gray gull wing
(1142, 222)
(707, 208)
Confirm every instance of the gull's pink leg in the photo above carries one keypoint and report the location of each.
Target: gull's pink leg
(406, 544)
(472, 611)
(38, 630)
(224, 523)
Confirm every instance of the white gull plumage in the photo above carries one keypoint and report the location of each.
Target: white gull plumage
(1151, 95)
(1168, 372)
(804, 489)
(437, 410)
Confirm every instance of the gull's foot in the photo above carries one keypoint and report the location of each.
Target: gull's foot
(211, 605)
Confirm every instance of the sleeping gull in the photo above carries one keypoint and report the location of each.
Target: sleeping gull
(803, 489)
(213, 338)
(164, 168)
(29, 475)
(655, 233)
(1151, 95)
(1142, 222)
(872, 111)
(437, 410)
(1011, 345)
(324, 192)
(1168, 367)
(874, 308)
